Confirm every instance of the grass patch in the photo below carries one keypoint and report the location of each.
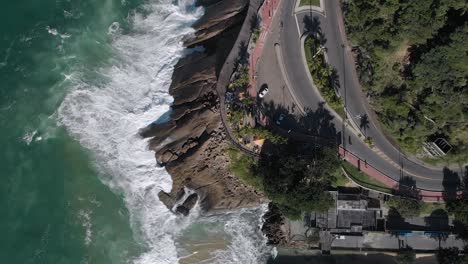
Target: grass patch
(428, 208)
(309, 2)
(323, 75)
(364, 179)
(340, 180)
(241, 165)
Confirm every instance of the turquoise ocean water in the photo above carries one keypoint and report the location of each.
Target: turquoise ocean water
(51, 197)
(78, 79)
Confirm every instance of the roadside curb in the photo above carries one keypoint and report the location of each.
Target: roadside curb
(319, 9)
(279, 57)
(358, 184)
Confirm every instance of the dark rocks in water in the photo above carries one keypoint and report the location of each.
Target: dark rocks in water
(190, 201)
(166, 199)
(273, 227)
(187, 205)
(182, 210)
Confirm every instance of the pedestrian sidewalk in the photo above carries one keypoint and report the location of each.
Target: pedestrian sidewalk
(266, 13)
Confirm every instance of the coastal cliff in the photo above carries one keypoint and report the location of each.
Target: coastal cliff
(192, 143)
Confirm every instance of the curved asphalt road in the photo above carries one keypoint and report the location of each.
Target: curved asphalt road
(393, 163)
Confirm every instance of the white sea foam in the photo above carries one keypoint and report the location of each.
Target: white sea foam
(106, 120)
(29, 136)
(248, 244)
(85, 218)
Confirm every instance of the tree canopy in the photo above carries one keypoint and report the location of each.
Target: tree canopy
(405, 256)
(413, 62)
(298, 183)
(405, 207)
(450, 256)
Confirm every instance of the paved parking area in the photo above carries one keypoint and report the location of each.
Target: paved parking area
(387, 241)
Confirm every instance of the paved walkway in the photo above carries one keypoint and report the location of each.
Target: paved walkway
(374, 240)
(228, 69)
(428, 196)
(266, 12)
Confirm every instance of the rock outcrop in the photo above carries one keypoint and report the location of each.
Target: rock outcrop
(192, 143)
(274, 227)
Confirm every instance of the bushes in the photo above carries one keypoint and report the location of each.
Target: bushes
(405, 207)
(243, 78)
(323, 75)
(410, 56)
(242, 166)
(299, 184)
(290, 180)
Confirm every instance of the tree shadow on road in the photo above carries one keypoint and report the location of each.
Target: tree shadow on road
(438, 222)
(406, 187)
(451, 184)
(316, 123)
(242, 54)
(312, 25)
(364, 123)
(254, 23)
(456, 199)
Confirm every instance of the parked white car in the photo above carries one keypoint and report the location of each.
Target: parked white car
(263, 92)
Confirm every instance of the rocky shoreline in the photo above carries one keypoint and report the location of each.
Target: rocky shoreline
(192, 143)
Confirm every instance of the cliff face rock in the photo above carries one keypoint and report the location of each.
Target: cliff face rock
(274, 227)
(219, 15)
(192, 143)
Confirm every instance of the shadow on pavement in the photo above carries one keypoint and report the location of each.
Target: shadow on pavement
(438, 220)
(451, 184)
(314, 123)
(406, 187)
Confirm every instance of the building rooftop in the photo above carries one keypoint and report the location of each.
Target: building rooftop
(350, 213)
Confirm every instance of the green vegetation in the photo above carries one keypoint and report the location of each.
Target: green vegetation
(340, 179)
(256, 34)
(428, 208)
(298, 183)
(451, 256)
(323, 75)
(405, 207)
(412, 59)
(294, 183)
(261, 133)
(364, 180)
(235, 117)
(460, 210)
(243, 78)
(406, 256)
(241, 165)
(309, 2)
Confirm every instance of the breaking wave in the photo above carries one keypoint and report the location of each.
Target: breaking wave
(105, 117)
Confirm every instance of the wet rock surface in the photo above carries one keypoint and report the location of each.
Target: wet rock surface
(274, 226)
(192, 143)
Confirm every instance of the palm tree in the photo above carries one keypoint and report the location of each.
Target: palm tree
(312, 26)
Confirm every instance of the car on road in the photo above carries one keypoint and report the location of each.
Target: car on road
(340, 237)
(280, 119)
(263, 92)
